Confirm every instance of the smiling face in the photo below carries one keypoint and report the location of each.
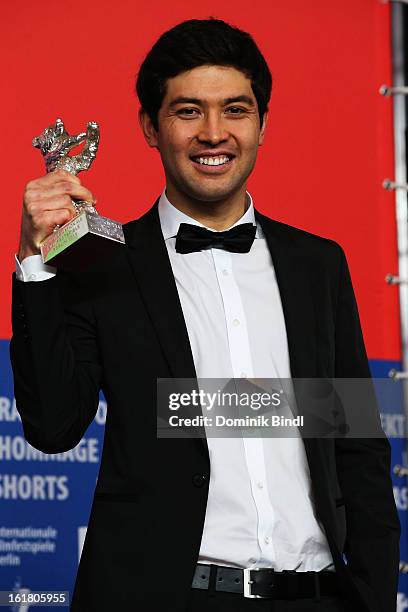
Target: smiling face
(209, 133)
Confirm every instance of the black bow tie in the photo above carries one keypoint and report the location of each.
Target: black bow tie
(192, 238)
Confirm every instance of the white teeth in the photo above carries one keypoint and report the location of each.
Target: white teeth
(214, 161)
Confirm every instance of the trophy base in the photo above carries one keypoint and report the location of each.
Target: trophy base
(81, 241)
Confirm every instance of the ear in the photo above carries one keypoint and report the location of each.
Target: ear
(263, 128)
(148, 129)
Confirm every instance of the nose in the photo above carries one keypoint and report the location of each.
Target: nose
(212, 129)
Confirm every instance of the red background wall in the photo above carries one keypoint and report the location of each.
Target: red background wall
(328, 148)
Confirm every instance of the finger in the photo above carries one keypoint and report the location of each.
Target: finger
(45, 223)
(65, 175)
(49, 204)
(74, 190)
(52, 178)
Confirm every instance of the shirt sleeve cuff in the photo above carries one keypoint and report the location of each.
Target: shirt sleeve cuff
(33, 269)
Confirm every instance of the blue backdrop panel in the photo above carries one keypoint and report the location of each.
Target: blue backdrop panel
(44, 500)
(393, 421)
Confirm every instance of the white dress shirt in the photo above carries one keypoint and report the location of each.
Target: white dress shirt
(260, 510)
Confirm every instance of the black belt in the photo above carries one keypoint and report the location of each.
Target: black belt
(265, 583)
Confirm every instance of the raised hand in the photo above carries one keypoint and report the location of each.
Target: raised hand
(49, 201)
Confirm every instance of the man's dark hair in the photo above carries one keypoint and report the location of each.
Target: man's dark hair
(201, 42)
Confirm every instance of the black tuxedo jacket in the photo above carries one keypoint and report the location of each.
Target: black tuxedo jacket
(119, 327)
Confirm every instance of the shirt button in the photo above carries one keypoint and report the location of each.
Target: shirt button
(225, 272)
(32, 277)
(199, 480)
(235, 322)
(267, 540)
(260, 485)
(243, 374)
(252, 560)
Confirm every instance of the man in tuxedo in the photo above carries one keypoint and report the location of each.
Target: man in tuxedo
(206, 287)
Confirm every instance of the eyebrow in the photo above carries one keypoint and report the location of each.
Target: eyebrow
(198, 102)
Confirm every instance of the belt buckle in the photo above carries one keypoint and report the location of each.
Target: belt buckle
(248, 582)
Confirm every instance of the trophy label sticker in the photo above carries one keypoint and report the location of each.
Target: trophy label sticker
(64, 237)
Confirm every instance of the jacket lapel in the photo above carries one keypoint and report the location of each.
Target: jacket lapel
(151, 265)
(150, 262)
(293, 278)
